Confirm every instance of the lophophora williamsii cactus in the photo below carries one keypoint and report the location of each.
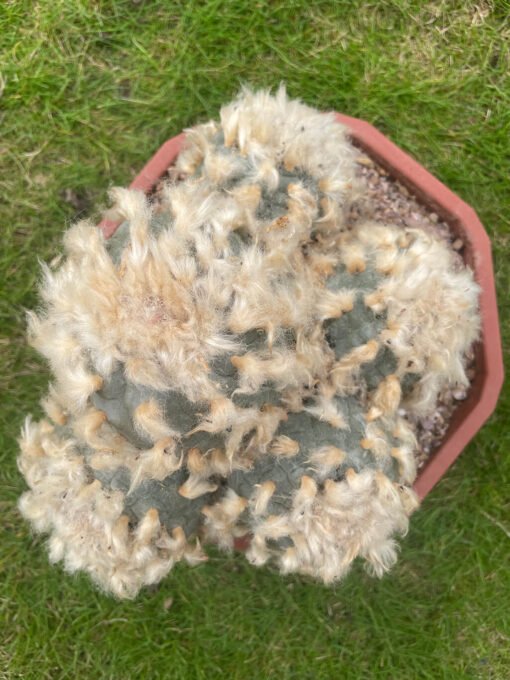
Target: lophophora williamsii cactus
(234, 360)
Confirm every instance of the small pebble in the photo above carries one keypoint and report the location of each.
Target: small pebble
(459, 395)
(458, 244)
(427, 424)
(403, 189)
(365, 160)
(168, 603)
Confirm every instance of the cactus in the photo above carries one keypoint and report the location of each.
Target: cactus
(234, 359)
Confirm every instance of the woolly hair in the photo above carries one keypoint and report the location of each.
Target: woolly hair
(234, 358)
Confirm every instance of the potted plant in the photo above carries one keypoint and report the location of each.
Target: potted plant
(238, 356)
(462, 220)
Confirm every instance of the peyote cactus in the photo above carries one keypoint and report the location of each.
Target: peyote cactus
(233, 360)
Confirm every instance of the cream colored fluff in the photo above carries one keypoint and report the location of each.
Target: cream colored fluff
(432, 308)
(176, 300)
(88, 529)
(330, 528)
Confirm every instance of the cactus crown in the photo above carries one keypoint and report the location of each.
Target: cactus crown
(234, 358)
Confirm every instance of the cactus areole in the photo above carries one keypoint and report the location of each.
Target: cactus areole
(234, 360)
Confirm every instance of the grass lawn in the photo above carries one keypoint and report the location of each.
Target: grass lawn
(89, 89)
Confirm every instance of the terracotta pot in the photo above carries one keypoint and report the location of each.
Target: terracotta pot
(472, 413)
